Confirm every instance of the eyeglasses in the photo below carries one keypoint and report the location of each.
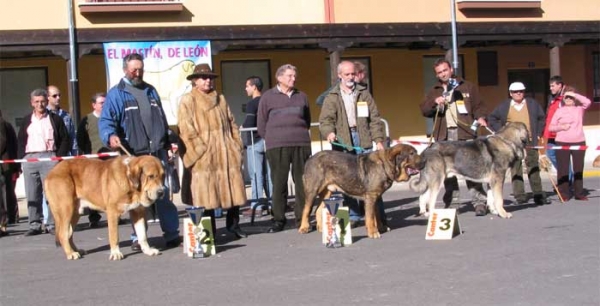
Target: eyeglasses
(517, 91)
(55, 95)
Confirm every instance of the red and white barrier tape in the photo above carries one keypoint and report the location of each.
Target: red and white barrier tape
(394, 142)
(575, 148)
(57, 158)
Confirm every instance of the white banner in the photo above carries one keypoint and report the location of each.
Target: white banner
(166, 66)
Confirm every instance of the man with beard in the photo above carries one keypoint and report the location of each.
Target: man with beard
(133, 117)
(350, 118)
(455, 105)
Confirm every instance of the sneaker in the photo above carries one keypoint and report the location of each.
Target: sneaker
(135, 246)
(581, 198)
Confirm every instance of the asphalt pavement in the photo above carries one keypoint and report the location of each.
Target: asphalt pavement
(544, 255)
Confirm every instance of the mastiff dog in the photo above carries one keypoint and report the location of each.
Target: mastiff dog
(364, 177)
(113, 186)
(483, 160)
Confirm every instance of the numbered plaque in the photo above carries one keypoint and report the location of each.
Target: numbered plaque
(341, 228)
(442, 225)
(194, 233)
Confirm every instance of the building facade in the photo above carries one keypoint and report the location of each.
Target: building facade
(498, 42)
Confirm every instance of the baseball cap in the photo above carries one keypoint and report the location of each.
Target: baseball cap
(516, 86)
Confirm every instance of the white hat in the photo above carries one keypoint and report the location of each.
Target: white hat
(516, 86)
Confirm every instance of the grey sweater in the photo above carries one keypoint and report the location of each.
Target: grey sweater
(284, 121)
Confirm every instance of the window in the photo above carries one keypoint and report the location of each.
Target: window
(116, 6)
(233, 79)
(15, 86)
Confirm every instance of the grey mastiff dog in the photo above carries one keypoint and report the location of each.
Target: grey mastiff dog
(483, 160)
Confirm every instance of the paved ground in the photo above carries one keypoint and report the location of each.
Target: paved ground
(544, 255)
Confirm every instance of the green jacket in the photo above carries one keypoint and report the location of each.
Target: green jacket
(334, 119)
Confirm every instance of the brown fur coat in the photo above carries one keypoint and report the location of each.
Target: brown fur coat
(213, 150)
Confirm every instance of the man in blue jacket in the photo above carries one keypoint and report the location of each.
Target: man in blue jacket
(133, 117)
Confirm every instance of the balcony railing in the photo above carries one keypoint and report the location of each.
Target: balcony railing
(115, 6)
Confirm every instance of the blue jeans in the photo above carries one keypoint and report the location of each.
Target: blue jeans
(352, 203)
(165, 209)
(259, 171)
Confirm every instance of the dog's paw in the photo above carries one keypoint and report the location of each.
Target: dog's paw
(493, 211)
(303, 229)
(375, 235)
(74, 256)
(505, 215)
(116, 255)
(151, 251)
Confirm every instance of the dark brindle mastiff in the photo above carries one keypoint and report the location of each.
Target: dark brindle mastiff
(113, 186)
(364, 176)
(483, 160)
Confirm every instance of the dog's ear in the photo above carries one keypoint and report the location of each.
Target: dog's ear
(134, 172)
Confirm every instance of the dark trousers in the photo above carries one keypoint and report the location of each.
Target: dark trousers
(533, 173)
(232, 220)
(478, 194)
(280, 160)
(12, 206)
(563, 159)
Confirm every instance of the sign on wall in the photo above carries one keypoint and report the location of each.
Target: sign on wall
(166, 66)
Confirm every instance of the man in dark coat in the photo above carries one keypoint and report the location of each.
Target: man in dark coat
(526, 110)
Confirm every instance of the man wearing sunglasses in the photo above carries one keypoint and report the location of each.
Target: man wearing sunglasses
(54, 106)
(526, 110)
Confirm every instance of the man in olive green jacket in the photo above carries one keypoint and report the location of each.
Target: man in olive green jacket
(349, 117)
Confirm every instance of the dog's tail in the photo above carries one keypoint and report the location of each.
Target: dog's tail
(418, 185)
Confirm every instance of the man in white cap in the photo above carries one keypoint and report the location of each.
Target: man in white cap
(528, 111)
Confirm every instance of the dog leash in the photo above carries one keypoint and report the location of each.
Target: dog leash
(340, 143)
(124, 150)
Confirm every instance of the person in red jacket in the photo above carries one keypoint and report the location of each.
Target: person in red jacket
(557, 87)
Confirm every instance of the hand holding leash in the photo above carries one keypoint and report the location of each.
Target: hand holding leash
(331, 137)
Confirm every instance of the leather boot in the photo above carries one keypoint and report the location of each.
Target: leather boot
(232, 222)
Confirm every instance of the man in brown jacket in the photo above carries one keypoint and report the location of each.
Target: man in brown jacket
(458, 111)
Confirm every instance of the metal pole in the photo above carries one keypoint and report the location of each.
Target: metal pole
(454, 40)
(73, 82)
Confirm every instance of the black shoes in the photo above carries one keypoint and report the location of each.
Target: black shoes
(33, 232)
(173, 243)
(356, 223)
(135, 246)
(480, 210)
(541, 200)
(521, 201)
(238, 232)
(450, 198)
(276, 228)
